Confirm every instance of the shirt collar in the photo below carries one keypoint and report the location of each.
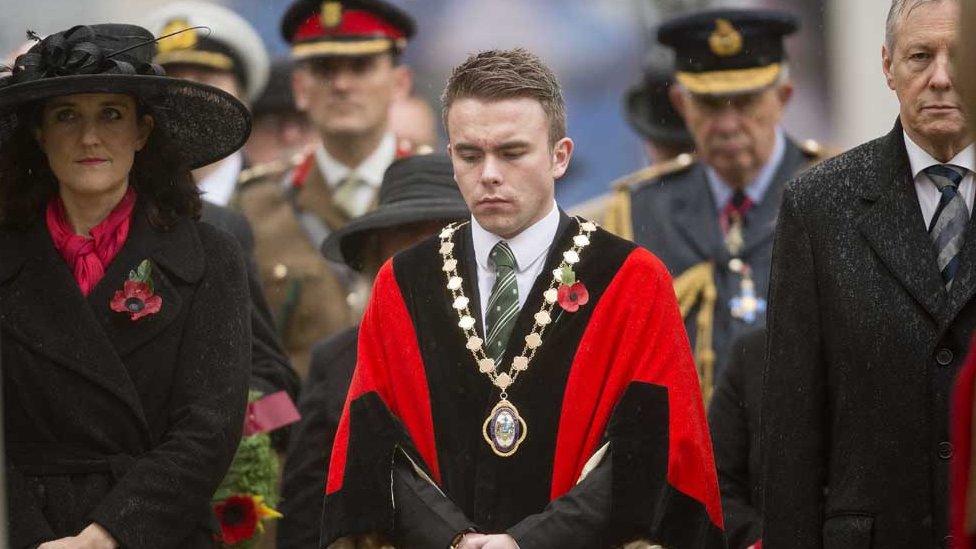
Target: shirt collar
(218, 187)
(371, 169)
(920, 159)
(755, 190)
(528, 246)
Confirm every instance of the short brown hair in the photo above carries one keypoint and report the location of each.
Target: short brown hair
(508, 74)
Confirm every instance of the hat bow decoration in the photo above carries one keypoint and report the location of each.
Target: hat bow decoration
(70, 54)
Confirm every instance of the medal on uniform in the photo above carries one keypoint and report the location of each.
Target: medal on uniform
(746, 306)
(734, 237)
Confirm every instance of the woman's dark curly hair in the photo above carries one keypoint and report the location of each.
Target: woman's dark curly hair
(164, 184)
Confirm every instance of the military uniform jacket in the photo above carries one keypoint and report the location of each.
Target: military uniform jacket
(611, 390)
(305, 292)
(128, 424)
(864, 344)
(676, 218)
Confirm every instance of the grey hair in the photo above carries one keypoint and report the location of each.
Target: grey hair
(899, 9)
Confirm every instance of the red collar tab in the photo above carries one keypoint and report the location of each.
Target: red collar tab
(354, 24)
(301, 171)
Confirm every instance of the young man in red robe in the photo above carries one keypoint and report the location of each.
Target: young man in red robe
(524, 379)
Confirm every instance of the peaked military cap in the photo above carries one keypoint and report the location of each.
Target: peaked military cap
(728, 51)
(231, 43)
(317, 28)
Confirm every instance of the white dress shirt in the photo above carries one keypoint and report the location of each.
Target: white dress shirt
(530, 248)
(370, 170)
(928, 193)
(219, 186)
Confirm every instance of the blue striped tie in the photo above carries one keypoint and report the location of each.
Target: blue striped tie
(949, 223)
(503, 304)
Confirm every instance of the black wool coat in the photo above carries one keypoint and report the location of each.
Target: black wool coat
(733, 419)
(130, 424)
(864, 343)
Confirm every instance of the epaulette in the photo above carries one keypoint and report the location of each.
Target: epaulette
(406, 147)
(654, 171)
(816, 152)
(274, 167)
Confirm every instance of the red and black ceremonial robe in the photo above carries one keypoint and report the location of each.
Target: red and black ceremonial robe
(619, 370)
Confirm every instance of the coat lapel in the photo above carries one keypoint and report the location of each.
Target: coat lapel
(894, 228)
(470, 277)
(174, 253)
(697, 220)
(44, 309)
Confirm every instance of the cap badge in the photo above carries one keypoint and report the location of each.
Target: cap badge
(725, 41)
(331, 13)
(185, 40)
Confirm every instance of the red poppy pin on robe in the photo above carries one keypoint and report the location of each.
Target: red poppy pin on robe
(137, 297)
(571, 294)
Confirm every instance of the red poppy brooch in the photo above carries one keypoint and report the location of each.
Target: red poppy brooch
(137, 297)
(571, 293)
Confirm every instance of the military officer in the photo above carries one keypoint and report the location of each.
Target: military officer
(227, 54)
(346, 75)
(710, 218)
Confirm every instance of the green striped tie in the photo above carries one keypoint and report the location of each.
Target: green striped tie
(503, 305)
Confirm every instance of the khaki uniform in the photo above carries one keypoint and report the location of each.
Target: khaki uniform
(305, 292)
(310, 297)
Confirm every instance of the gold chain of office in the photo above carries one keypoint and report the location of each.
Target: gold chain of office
(505, 429)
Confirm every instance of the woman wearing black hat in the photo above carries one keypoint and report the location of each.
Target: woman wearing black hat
(125, 322)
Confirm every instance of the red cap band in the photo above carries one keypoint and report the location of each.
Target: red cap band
(355, 23)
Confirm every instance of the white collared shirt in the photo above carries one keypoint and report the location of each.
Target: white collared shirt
(530, 248)
(218, 187)
(928, 194)
(755, 190)
(370, 170)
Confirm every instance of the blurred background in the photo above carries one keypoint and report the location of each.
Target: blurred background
(596, 48)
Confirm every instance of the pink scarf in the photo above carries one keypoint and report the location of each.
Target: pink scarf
(89, 257)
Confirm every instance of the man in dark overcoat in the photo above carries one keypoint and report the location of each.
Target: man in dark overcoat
(872, 305)
(710, 218)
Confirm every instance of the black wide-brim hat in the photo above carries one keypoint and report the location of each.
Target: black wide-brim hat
(415, 189)
(649, 112)
(203, 123)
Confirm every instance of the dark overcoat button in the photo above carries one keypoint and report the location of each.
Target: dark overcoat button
(945, 450)
(944, 357)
